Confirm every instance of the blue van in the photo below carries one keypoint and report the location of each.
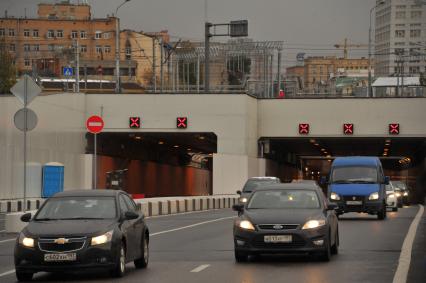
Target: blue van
(357, 184)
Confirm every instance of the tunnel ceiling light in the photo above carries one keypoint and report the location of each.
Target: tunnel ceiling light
(328, 155)
(322, 149)
(160, 142)
(317, 144)
(306, 169)
(138, 137)
(312, 141)
(202, 137)
(189, 149)
(176, 146)
(388, 141)
(386, 149)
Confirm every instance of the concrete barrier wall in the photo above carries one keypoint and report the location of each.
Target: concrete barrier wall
(9, 206)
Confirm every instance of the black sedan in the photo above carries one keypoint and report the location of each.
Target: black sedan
(286, 219)
(82, 230)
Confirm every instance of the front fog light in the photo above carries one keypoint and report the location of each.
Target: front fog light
(318, 242)
(102, 239)
(374, 196)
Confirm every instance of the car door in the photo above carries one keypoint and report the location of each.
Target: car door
(137, 225)
(127, 229)
(332, 220)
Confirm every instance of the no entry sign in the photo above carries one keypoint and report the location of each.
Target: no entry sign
(95, 124)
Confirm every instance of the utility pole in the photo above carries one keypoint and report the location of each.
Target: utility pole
(154, 69)
(161, 65)
(279, 70)
(207, 36)
(77, 67)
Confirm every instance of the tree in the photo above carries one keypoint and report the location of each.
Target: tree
(7, 68)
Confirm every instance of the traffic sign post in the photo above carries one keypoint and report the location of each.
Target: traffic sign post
(95, 125)
(25, 119)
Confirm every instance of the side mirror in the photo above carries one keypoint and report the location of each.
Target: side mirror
(26, 217)
(238, 207)
(386, 180)
(239, 192)
(130, 215)
(332, 206)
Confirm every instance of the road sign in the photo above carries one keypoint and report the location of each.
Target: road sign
(282, 94)
(19, 119)
(348, 129)
(182, 122)
(300, 57)
(95, 124)
(26, 90)
(68, 71)
(134, 122)
(304, 129)
(239, 28)
(394, 129)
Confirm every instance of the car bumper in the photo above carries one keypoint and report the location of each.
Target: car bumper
(32, 260)
(371, 207)
(302, 241)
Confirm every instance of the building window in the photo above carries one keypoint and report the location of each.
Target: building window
(400, 6)
(400, 33)
(399, 43)
(414, 70)
(415, 25)
(26, 47)
(60, 33)
(416, 14)
(107, 35)
(98, 49)
(12, 47)
(83, 34)
(27, 62)
(98, 35)
(83, 48)
(400, 15)
(50, 33)
(35, 33)
(74, 34)
(11, 32)
(2, 33)
(36, 47)
(26, 33)
(415, 33)
(107, 49)
(51, 47)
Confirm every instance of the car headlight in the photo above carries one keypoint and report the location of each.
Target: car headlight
(398, 195)
(102, 239)
(405, 194)
(25, 241)
(312, 224)
(391, 196)
(334, 196)
(246, 225)
(374, 196)
(243, 200)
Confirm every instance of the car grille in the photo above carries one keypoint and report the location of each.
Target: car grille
(54, 245)
(297, 242)
(277, 227)
(356, 198)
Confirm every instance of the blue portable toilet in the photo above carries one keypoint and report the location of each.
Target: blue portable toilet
(53, 179)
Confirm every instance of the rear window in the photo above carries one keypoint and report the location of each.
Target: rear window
(253, 184)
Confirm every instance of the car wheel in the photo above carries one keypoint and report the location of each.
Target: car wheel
(24, 276)
(335, 247)
(394, 208)
(120, 263)
(143, 261)
(241, 256)
(326, 255)
(381, 215)
(399, 204)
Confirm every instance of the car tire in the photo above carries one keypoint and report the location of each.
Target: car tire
(24, 276)
(326, 255)
(241, 256)
(120, 262)
(335, 247)
(394, 208)
(381, 215)
(143, 261)
(399, 204)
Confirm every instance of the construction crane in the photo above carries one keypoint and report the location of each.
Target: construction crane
(345, 46)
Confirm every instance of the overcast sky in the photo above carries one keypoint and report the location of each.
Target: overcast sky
(307, 22)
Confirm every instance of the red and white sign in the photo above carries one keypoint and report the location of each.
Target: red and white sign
(348, 129)
(95, 124)
(394, 129)
(304, 129)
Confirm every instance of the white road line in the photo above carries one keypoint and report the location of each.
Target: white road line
(7, 273)
(2, 231)
(8, 240)
(200, 268)
(405, 256)
(190, 226)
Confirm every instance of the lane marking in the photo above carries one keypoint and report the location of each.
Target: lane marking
(7, 273)
(405, 256)
(2, 231)
(200, 268)
(191, 226)
(8, 240)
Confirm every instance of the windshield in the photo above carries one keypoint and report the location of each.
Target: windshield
(282, 199)
(78, 208)
(354, 174)
(253, 184)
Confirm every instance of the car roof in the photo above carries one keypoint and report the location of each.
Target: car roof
(263, 178)
(290, 186)
(88, 193)
(356, 160)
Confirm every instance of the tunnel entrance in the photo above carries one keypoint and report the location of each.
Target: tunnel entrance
(155, 164)
(310, 158)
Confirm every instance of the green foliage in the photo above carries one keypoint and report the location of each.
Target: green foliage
(7, 69)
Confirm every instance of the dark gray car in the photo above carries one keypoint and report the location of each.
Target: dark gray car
(253, 183)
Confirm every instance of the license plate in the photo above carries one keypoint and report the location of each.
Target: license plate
(354, 202)
(278, 239)
(60, 257)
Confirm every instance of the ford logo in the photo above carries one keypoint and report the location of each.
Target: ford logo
(278, 227)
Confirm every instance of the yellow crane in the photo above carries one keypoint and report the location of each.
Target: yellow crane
(345, 46)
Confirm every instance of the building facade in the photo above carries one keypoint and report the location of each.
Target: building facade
(400, 38)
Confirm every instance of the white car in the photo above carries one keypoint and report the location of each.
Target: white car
(391, 198)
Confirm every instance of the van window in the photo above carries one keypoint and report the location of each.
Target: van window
(354, 174)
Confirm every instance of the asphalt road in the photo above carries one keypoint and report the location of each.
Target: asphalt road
(198, 247)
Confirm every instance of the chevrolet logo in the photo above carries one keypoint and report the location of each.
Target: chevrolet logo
(61, 241)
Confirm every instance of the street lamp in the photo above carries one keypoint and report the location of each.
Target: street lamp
(370, 89)
(117, 48)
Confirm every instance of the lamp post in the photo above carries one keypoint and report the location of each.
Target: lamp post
(117, 48)
(370, 89)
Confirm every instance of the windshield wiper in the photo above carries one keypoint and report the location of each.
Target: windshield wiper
(363, 182)
(81, 218)
(45, 219)
(342, 182)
